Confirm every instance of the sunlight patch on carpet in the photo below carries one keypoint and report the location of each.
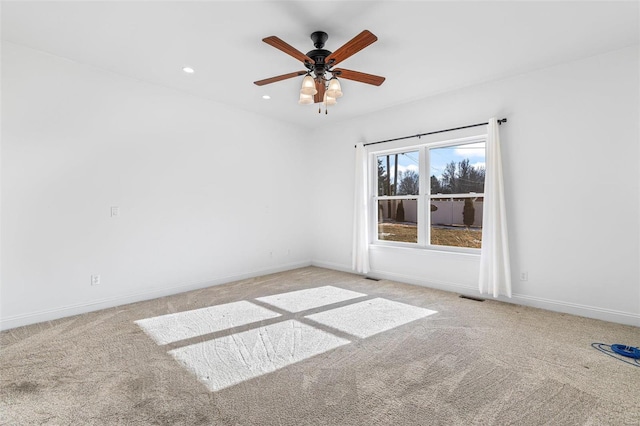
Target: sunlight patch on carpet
(301, 300)
(229, 360)
(370, 317)
(185, 325)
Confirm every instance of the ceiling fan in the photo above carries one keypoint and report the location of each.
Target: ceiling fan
(321, 83)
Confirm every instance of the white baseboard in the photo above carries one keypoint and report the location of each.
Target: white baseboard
(333, 266)
(520, 299)
(96, 305)
(438, 285)
(595, 312)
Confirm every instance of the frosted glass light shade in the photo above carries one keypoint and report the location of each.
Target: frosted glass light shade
(305, 99)
(334, 90)
(328, 100)
(308, 86)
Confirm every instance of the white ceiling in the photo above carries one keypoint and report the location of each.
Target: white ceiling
(423, 48)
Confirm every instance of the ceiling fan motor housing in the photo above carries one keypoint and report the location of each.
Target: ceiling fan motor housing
(319, 38)
(318, 54)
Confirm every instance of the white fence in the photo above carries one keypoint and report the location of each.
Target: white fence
(447, 212)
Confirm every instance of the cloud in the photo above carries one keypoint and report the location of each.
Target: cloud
(402, 169)
(412, 167)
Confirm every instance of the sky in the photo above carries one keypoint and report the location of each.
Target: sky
(440, 157)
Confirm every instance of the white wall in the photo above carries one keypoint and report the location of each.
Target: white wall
(77, 140)
(205, 191)
(571, 140)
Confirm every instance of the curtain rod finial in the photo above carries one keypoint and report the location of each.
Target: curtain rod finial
(502, 120)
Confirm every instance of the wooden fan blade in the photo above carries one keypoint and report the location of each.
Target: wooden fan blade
(278, 78)
(288, 49)
(362, 77)
(319, 97)
(353, 46)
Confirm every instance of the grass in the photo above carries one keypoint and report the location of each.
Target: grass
(456, 237)
(397, 232)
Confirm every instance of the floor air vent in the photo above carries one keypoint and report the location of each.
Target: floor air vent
(477, 299)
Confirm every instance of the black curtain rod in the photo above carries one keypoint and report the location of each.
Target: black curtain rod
(502, 120)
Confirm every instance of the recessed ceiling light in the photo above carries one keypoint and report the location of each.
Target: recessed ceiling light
(266, 97)
(188, 70)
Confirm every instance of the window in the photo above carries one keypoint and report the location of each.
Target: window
(398, 188)
(449, 197)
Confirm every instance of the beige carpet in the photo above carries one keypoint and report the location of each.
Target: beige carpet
(348, 361)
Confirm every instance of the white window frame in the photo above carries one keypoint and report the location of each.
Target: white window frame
(423, 198)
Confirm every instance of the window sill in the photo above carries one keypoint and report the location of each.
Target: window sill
(438, 250)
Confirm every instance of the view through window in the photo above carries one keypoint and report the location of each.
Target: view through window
(398, 191)
(449, 198)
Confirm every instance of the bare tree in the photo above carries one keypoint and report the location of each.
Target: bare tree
(410, 183)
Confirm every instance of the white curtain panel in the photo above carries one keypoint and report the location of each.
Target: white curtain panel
(495, 271)
(361, 213)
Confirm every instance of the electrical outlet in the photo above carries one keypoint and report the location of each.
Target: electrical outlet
(115, 211)
(95, 279)
(524, 276)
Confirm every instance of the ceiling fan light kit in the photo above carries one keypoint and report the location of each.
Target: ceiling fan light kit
(305, 99)
(334, 90)
(328, 100)
(308, 86)
(321, 84)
